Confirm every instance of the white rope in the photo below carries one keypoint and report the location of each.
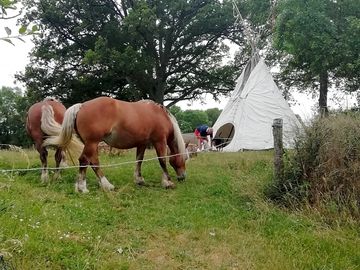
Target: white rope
(94, 166)
(11, 147)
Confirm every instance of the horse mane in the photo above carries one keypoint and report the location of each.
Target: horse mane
(177, 132)
(50, 99)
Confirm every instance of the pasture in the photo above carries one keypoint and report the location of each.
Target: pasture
(217, 219)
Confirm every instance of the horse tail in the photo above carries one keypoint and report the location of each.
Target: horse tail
(48, 124)
(178, 136)
(66, 138)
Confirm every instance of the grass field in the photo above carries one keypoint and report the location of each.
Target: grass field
(217, 219)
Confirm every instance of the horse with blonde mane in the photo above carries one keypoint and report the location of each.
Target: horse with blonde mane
(37, 132)
(122, 125)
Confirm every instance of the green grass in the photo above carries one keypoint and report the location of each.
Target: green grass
(217, 219)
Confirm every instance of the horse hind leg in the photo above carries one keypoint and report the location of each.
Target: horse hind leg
(58, 159)
(80, 185)
(161, 152)
(63, 162)
(43, 158)
(140, 151)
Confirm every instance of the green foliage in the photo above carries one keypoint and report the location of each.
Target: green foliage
(213, 115)
(321, 39)
(324, 167)
(189, 119)
(160, 50)
(216, 219)
(13, 108)
(24, 30)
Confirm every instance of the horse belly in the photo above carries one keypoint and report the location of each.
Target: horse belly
(124, 139)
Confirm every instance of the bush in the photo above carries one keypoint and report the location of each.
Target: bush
(324, 168)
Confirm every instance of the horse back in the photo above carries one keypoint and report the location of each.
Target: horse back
(122, 124)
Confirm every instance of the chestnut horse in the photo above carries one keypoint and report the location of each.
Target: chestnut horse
(37, 133)
(123, 125)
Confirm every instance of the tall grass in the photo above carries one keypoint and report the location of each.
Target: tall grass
(217, 219)
(324, 168)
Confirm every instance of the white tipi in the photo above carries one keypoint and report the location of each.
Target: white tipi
(246, 121)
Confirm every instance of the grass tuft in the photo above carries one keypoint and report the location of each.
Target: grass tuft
(324, 168)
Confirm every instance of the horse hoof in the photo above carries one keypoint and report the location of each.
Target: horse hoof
(109, 187)
(140, 181)
(44, 182)
(81, 188)
(168, 185)
(44, 178)
(105, 184)
(85, 190)
(56, 177)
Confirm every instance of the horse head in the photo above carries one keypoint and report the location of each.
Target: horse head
(177, 161)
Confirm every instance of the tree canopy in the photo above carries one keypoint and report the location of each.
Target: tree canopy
(9, 10)
(163, 50)
(322, 40)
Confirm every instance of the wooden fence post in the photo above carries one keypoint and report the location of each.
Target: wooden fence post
(278, 148)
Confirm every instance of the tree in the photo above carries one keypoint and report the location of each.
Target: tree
(12, 118)
(320, 39)
(213, 115)
(165, 50)
(24, 30)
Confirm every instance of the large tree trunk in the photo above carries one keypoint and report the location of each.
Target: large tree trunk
(157, 93)
(323, 94)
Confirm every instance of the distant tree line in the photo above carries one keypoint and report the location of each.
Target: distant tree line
(189, 119)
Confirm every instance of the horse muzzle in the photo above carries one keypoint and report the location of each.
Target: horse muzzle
(181, 177)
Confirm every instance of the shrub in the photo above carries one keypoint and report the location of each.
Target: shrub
(324, 168)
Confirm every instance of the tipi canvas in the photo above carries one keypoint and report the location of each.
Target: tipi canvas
(246, 121)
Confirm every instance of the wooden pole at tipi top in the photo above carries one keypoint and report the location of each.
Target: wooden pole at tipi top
(252, 36)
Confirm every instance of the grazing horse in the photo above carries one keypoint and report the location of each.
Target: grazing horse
(37, 133)
(123, 125)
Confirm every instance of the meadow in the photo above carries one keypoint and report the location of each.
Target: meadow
(218, 218)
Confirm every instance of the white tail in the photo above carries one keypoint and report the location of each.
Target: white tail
(48, 124)
(65, 138)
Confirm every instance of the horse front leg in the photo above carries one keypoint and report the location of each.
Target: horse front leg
(161, 152)
(140, 151)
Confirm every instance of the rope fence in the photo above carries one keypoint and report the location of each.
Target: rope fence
(19, 149)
